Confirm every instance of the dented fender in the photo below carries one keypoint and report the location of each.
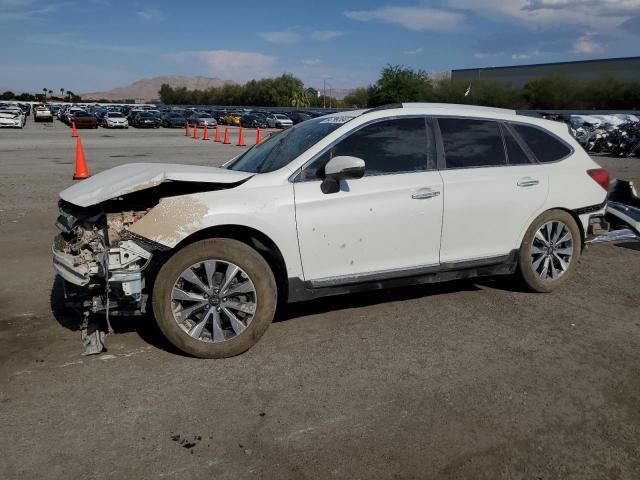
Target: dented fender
(269, 209)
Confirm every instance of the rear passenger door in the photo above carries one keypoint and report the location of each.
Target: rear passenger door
(492, 189)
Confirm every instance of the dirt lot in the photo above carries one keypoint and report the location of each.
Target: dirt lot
(472, 379)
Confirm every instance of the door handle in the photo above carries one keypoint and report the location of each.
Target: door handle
(424, 193)
(528, 182)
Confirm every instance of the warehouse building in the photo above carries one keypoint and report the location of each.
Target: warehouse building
(582, 71)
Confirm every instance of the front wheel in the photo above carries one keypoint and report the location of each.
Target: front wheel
(550, 251)
(215, 298)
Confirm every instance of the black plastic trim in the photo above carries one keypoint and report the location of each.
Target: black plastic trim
(590, 208)
(300, 291)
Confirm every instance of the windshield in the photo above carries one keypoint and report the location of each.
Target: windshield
(281, 117)
(284, 147)
(115, 115)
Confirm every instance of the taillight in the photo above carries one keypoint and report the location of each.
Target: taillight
(600, 176)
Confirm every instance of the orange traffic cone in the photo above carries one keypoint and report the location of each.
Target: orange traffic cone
(205, 132)
(226, 136)
(217, 137)
(195, 131)
(81, 163)
(186, 129)
(258, 138)
(74, 130)
(241, 139)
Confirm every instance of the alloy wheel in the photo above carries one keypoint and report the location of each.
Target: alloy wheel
(551, 250)
(213, 301)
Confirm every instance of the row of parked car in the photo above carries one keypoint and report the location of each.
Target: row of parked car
(14, 114)
(146, 116)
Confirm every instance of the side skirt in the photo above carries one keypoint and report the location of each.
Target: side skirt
(300, 291)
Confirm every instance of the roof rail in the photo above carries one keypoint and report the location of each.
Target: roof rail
(477, 108)
(388, 106)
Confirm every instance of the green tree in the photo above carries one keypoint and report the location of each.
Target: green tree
(400, 84)
(300, 99)
(358, 97)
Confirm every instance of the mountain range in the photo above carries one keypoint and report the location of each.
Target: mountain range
(147, 89)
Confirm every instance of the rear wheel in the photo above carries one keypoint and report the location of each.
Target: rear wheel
(215, 298)
(550, 251)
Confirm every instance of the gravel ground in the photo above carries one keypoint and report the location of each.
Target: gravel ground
(471, 379)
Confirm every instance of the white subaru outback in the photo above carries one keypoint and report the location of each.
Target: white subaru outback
(359, 200)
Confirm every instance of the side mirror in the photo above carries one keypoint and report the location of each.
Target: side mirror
(341, 168)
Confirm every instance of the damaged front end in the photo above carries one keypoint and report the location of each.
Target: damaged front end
(102, 265)
(106, 267)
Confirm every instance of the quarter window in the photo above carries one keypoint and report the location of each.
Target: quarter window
(391, 146)
(515, 154)
(472, 143)
(544, 146)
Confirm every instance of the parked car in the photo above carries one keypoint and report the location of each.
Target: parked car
(114, 120)
(297, 117)
(11, 118)
(13, 113)
(82, 119)
(70, 113)
(278, 120)
(253, 120)
(173, 119)
(145, 120)
(409, 194)
(201, 119)
(42, 114)
(232, 118)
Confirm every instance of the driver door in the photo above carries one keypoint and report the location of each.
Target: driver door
(385, 224)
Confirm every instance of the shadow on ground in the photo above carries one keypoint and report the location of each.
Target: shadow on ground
(147, 329)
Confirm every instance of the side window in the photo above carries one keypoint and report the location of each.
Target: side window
(471, 143)
(391, 146)
(544, 146)
(515, 154)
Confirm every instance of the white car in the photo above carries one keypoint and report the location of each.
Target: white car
(13, 117)
(368, 199)
(279, 120)
(115, 120)
(42, 114)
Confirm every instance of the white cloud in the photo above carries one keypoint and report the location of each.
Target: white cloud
(324, 35)
(587, 44)
(285, 37)
(312, 61)
(413, 52)
(603, 15)
(485, 55)
(150, 15)
(228, 64)
(13, 10)
(525, 56)
(411, 18)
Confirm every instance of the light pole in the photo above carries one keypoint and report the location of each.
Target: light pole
(324, 91)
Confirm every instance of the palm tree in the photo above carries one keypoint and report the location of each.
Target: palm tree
(62, 93)
(300, 99)
(44, 90)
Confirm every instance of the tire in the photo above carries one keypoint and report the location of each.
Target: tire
(533, 250)
(224, 251)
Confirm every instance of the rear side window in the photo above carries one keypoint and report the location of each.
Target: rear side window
(515, 154)
(387, 147)
(544, 146)
(472, 143)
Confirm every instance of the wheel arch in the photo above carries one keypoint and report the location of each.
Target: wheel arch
(255, 239)
(573, 214)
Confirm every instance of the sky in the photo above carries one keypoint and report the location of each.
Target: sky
(92, 45)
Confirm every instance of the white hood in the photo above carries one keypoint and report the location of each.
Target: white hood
(133, 177)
